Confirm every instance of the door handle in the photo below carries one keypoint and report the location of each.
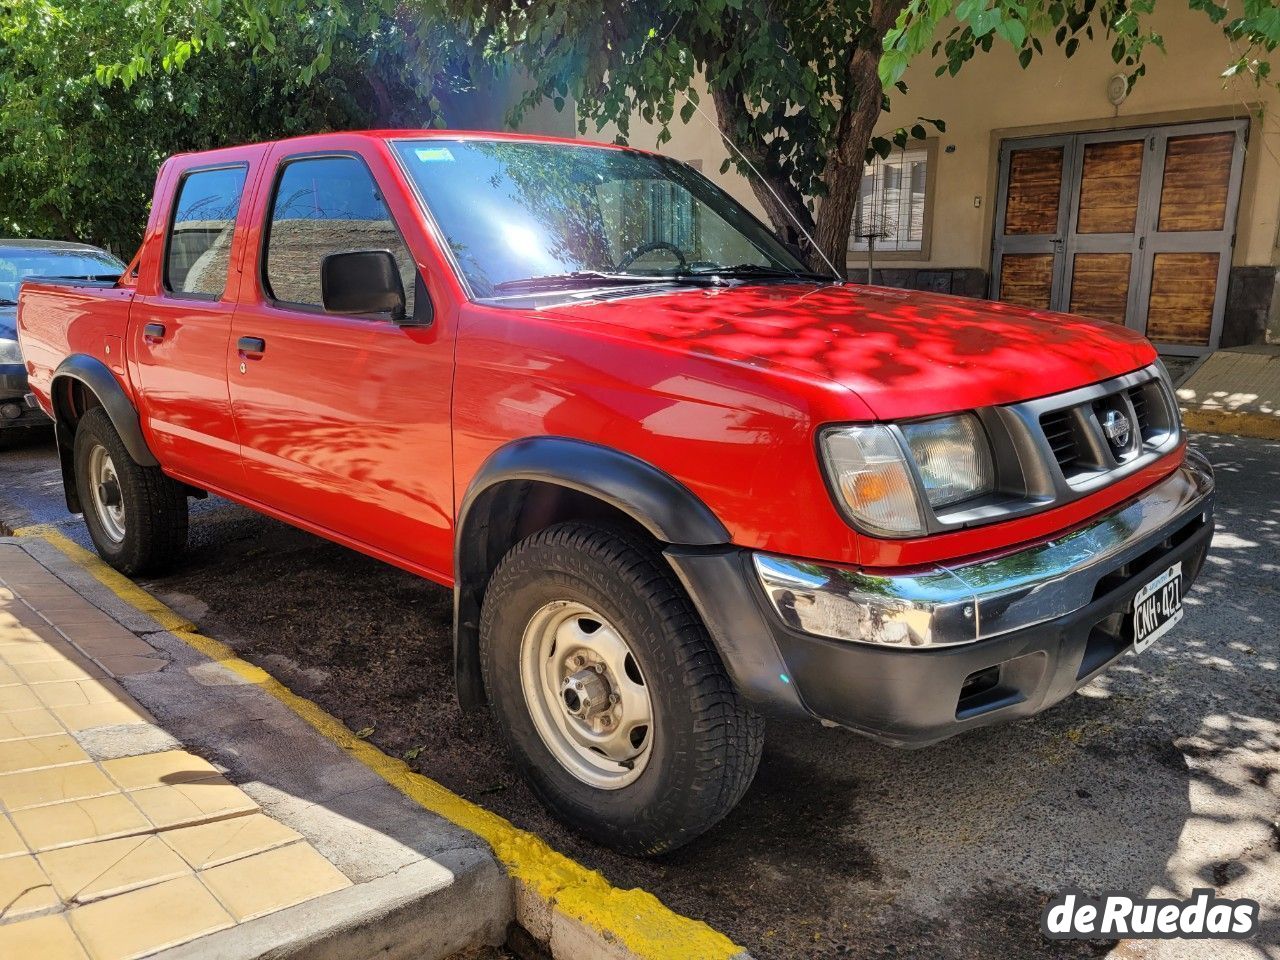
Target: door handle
(153, 332)
(252, 347)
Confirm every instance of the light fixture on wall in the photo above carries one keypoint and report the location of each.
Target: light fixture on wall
(1118, 89)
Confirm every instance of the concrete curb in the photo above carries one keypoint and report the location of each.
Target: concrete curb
(1232, 423)
(570, 910)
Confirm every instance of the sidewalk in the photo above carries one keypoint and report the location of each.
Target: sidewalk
(1234, 391)
(150, 799)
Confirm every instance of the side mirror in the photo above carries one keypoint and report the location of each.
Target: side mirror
(362, 282)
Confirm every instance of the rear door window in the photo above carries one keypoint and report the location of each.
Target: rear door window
(198, 248)
(321, 206)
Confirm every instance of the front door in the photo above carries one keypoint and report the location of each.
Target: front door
(1131, 226)
(343, 420)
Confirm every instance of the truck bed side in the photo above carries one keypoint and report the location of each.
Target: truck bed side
(60, 319)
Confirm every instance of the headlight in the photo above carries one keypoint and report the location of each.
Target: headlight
(953, 456)
(9, 352)
(870, 473)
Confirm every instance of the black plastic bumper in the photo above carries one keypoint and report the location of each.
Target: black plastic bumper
(914, 697)
(13, 390)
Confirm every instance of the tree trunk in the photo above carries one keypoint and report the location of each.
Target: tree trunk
(783, 204)
(386, 109)
(843, 174)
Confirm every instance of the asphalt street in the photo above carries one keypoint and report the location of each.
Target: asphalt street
(1160, 777)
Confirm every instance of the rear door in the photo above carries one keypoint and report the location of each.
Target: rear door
(343, 420)
(180, 322)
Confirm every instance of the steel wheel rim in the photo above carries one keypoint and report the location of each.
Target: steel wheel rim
(586, 695)
(108, 499)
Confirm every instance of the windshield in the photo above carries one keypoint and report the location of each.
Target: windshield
(513, 211)
(20, 263)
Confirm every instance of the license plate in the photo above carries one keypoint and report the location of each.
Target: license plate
(1157, 608)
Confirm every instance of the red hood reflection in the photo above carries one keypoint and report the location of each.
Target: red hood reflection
(905, 353)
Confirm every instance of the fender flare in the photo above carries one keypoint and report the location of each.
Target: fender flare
(655, 499)
(95, 375)
(664, 506)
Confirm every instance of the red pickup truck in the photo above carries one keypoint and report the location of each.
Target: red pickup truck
(676, 481)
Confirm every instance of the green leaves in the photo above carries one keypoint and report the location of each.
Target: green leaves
(1012, 30)
(893, 64)
(984, 21)
(1254, 35)
(96, 93)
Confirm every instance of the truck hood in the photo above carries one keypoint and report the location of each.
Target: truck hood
(904, 353)
(8, 323)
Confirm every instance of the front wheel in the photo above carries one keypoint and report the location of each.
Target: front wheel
(612, 696)
(137, 516)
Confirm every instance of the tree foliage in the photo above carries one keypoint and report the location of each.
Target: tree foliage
(97, 91)
(1252, 35)
(799, 86)
(87, 116)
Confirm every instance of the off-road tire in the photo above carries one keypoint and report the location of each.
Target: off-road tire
(706, 741)
(155, 505)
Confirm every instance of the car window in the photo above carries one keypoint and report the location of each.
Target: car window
(28, 263)
(199, 243)
(326, 205)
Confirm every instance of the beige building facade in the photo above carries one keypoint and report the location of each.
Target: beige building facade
(1053, 187)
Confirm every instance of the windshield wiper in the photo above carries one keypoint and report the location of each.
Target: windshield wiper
(5, 302)
(758, 270)
(583, 278)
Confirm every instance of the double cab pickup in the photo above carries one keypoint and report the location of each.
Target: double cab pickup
(676, 481)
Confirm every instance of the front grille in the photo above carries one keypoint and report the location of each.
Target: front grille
(1056, 449)
(1060, 431)
(1141, 410)
(1138, 398)
(1077, 435)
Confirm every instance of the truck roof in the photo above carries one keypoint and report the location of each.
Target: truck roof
(412, 133)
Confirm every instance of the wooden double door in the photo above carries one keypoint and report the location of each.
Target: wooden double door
(1131, 226)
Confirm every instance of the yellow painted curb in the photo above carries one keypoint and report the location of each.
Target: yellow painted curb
(1235, 422)
(633, 918)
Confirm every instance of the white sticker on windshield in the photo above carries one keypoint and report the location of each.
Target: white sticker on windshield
(433, 154)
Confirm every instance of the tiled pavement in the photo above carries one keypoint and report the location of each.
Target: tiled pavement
(122, 856)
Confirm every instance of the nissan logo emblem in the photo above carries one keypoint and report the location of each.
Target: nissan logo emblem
(1115, 425)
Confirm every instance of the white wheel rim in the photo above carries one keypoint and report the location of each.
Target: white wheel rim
(572, 657)
(108, 499)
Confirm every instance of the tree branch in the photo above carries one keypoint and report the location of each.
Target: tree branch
(731, 112)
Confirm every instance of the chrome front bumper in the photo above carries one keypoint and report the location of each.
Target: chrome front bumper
(946, 606)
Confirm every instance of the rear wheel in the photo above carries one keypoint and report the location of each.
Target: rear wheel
(611, 694)
(137, 516)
